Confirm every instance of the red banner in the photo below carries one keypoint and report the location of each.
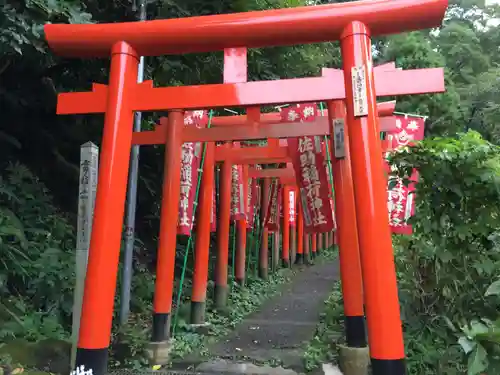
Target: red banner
(272, 216)
(291, 214)
(190, 162)
(401, 199)
(251, 201)
(267, 204)
(309, 165)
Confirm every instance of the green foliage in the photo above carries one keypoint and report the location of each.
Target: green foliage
(36, 247)
(453, 255)
(448, 268)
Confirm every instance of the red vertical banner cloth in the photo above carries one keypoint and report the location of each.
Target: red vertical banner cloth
(273, 209)
(190, 163)
(400, 198)
(291, 213)
(251, 201)
(309, 165)
(238, 199)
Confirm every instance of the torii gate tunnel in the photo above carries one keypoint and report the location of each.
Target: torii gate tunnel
(352, 23)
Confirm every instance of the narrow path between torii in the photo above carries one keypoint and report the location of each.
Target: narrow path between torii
(276, 333)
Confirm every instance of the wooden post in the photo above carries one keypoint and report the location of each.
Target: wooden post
(89, 167)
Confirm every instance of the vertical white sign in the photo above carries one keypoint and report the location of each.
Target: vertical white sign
(89, 159)
(360, 96)
(339, 140)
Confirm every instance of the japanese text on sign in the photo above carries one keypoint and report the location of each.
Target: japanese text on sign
(238, 200)
(274, 207)
(291, 199)
(308, 162)
(190, 162)
(360, 96)
(400, 199)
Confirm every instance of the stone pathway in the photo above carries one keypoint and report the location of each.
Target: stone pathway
(277, 332)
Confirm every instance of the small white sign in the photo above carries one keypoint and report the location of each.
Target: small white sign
(339, 140)
(360, 98)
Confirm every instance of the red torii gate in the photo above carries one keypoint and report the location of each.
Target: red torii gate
(242, 156)
(352, 23)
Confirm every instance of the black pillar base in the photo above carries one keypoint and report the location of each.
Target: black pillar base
(285, 263)
(355, 331)
(388, 366)
(299, 259)
(197, 312)
(161, 327)
(307, 259)
(240, 282)
(92, 359)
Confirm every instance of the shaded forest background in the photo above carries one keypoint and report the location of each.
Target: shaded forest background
(39, 151)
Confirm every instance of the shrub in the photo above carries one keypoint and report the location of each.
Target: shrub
(453, 255)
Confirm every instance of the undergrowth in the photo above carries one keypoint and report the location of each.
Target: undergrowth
(131, 340)
(329, 332)
(36, 285)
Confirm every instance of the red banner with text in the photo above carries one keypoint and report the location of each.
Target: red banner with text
(190, 162)
(401, 199)
(251, 201)
(238, 199)
(273, 209)
(291, 199)
(309, 164)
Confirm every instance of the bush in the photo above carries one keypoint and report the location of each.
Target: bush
(36, 247)
(445, 267)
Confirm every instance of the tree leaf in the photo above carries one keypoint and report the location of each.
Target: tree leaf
(466, 344)
(493, 289)
(478, 361)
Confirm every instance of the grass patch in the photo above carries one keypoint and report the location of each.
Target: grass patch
(129, 349)
(329, 332)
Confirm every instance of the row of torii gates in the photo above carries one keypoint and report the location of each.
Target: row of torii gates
(364, 238)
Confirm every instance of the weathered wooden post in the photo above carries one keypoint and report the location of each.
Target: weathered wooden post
(89, 165)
